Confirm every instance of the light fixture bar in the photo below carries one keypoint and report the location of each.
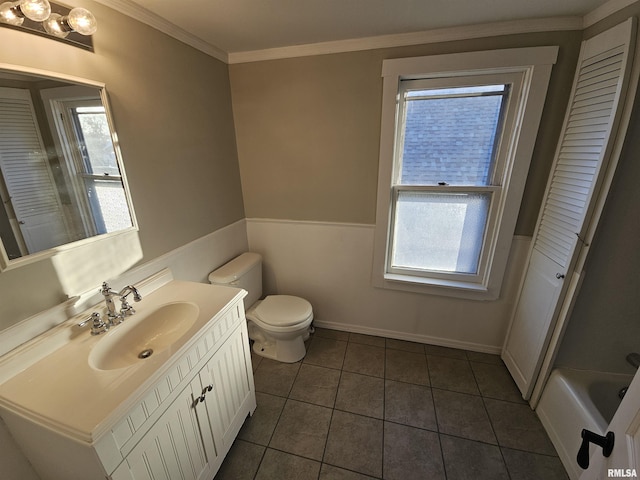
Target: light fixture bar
(73, 26)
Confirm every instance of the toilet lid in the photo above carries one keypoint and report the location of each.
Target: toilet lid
(283, 310)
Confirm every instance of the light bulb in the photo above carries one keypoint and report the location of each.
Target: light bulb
(9, 15)
(36, 10)
(82, 21)
(54, 26)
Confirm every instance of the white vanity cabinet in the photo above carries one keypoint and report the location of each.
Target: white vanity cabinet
(178, 424)
(193, 435)
(178, 445)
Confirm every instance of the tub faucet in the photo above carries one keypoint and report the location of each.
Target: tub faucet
(113, 317)
(634, 359)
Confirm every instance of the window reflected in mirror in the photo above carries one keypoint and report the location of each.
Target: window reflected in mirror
(62, 178)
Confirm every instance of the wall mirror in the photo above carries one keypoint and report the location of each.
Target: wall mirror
(62, 178)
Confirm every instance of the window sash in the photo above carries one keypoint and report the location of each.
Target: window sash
(439, 142)
(493, 194)
(495, 174)
(107, 201)
(513, 84)
(98, 155)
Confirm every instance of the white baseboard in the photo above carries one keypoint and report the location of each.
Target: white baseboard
(410, 337)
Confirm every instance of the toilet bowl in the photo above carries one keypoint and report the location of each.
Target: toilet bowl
(278, 324)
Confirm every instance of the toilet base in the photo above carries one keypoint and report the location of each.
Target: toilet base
(287, 351)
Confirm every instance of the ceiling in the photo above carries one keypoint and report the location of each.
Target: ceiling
(233, 26)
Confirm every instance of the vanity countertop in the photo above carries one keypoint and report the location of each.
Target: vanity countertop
(64, 392)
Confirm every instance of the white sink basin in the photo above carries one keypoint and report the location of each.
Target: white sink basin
(140, 338)
(104, 370)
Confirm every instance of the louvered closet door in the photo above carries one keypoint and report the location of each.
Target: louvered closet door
(27, 175)
(581, 158)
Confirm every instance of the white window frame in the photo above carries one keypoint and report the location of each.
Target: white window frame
(527, 70)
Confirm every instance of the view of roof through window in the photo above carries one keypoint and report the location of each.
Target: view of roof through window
(449, 135)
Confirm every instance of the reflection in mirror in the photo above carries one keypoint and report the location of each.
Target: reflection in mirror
(62, 179)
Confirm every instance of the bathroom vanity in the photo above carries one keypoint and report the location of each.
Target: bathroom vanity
(91, 409)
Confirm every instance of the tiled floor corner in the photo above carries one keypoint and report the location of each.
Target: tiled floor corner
(360, 407)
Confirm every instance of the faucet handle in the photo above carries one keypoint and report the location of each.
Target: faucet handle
(97, 326)
(125, 308)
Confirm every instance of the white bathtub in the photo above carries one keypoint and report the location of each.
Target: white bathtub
(577, 399)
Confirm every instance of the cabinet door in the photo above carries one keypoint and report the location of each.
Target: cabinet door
(174, 448)
(576, 186)
(232, 381)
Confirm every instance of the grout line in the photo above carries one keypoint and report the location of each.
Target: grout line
(384, 404)
(384, 420)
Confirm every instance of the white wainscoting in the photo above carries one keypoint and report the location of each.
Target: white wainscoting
(195, 260)
(192, 262)
(330, 265)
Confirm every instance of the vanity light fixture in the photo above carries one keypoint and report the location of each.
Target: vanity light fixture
(79, 20)
(74, 26)
(14, 13)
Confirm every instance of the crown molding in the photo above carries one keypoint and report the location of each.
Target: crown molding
(603, 11)
(417, 38)
(467, 32)
(143, 15)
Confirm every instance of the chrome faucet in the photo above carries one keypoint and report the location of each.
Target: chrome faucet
(113, 317)
(125, 308)
(98, 325)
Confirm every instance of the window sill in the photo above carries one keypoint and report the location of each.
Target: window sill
(433, 286)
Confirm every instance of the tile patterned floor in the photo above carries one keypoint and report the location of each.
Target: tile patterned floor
(360, 407)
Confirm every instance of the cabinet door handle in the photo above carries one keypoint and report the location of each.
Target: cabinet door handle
(203, 395)
(206, 389)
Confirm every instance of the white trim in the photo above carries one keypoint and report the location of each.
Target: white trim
(603, 11)
(472, 61)
(410, 337)
(309, 222)
(534, 65)
(449, 34)
(52, 75)
(147, 17)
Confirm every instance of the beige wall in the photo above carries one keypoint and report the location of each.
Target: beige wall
(308, 133)
(308, 129)
(172, 110)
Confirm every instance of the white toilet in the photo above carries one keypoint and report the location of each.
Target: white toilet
(279, 324)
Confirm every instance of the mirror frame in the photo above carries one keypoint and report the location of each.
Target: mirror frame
(5, 262)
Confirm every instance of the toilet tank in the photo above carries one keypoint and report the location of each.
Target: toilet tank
(244, 271)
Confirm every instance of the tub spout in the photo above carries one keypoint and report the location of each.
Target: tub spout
(622, 392)
(634, 359)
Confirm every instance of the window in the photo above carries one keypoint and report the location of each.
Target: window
(456, 143)
(90, 164)
(97, 165)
